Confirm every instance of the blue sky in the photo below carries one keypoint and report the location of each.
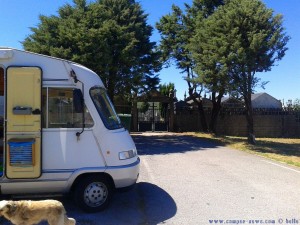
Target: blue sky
(17, 16)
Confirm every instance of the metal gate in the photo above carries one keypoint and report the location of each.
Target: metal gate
(155, 118)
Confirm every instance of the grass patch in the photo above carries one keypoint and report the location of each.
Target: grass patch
(279, 149)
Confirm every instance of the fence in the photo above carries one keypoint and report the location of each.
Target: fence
(267, 122)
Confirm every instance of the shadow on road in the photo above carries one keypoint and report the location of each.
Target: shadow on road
(167, 144)
(155, 203)
(145, 204)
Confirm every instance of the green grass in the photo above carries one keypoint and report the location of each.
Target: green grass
(279, 149)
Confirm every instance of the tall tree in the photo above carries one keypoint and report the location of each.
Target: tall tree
(205, 47)
(241, 38)
(167, 89)
(176, 31)
(109, 36)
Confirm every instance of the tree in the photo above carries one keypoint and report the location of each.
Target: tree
(109, 36)
(206, 47)
(176, 31)
(296, 105)
(166, 89)
(245, 38)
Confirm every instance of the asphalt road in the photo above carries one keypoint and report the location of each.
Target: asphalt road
(188, 181)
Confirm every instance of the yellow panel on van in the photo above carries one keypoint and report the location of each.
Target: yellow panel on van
(23, 99)
(23, 129)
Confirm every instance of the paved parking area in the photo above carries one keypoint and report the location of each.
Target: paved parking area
(185, 180)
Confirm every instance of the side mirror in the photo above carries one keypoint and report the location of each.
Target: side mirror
(78, 101)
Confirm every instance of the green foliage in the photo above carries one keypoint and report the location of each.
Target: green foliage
(207, 47)
(151, 83)
(296, 105)
(174, 39)
(242, 37)
(166, 89)
(144, 107)
(109, 36)
(221, 45)
(238, 40)
(178, 28)
(177, 31)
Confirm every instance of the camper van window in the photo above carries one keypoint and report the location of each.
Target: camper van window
(59, 112)
(105, 108)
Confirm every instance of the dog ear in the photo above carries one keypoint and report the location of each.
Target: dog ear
(8, 205)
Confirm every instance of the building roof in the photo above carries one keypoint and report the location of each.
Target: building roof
(259, 100)
(264, 100)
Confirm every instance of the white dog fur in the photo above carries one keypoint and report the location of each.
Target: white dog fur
(33, 212)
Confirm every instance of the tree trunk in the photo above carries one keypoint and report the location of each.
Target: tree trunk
(202, 116)
(200, 109)
(250, 126)
(197, 101)
(134, 113)
(215, 112)
(171, 114)
(249, 111)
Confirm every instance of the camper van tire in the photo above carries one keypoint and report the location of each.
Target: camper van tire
(93, 193)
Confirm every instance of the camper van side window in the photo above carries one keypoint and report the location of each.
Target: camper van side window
(59, 110)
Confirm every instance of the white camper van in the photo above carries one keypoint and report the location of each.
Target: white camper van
(60, 132)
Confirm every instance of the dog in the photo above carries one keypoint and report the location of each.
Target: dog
(32, 212)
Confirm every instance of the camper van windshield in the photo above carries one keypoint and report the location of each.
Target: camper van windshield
(105, 108)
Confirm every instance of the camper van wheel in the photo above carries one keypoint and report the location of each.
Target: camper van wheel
(93, 193)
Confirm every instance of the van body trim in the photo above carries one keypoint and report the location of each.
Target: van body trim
(124, 166)
(87, 169)
(93, 168)
(31, 180)
(54, 79)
